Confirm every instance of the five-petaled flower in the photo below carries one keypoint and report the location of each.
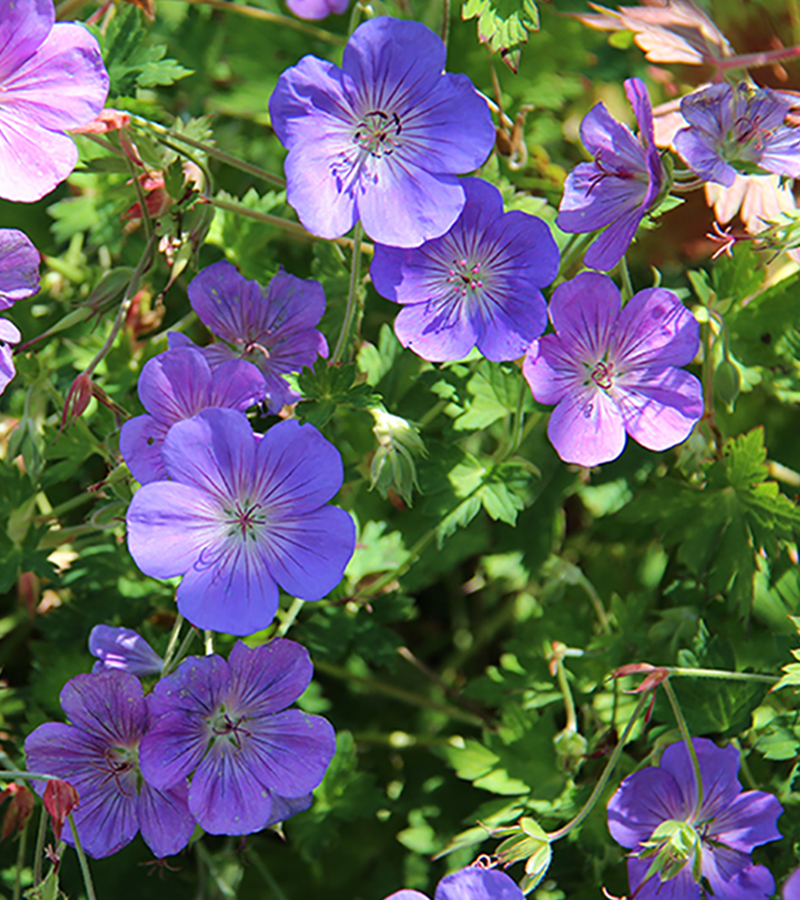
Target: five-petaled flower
(656, 815)
(97, 754)
(471, 883)
(52, 79)
(19, 278)
(381, 139)
(614, 371)
(622, 184)
(254, 761)
(738, 129)
(177, 385)
(272, 327)
(241, 516)
(479, 284)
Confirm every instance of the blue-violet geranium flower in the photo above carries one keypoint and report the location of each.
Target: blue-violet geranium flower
(655, 814)
(97, 754)
(471, 883)
(253, 762)
(479, 284)
(620, 187)
(241, 516)
(381, 139)
(19, 278)
(613, 370)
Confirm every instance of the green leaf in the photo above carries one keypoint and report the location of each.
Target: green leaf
(495, 391)
(503, 25)
(327, 387)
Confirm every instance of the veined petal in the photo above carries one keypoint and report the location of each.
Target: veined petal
(732, 876)
(108, 704)
(639, 99)
(288, 752)
(509, 323)
(298, 470)
(307, 554)
(606, 138)
(268, 678)
(124, 649)
(33, 160)
(587, 428)
(584, 312)
(215, 452)
(164, 818)
(681, 887)
(551, 370)
(654, 329)
(19, 265)
(641, 803)
(106, 818)
(749, 821)
(224, 796)
(293, 304)
(237, 384)
(661, 407)
(175, 385)
(170, 526)
(475, 883)
(718, 768)
(224, 300)
(140, 443)
(609, 248)
(438, 330)
(702, 159)
(24, 26)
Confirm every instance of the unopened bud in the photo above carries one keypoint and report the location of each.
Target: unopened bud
(727, 382)
(80, 393)
(19, 809)
(59, 799)
(392, 466)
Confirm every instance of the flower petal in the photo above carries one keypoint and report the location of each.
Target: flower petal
(593, 198)
(749, 821)
(123, 649)
(175, 385)
(681, 887)
(19, 265)
(641, 803)
(288, 752)
(24, 26)
(654, 329)
(551, 370)
(164, 818)
(584, 312)
(609, 248)
(475, 883)
(33, 160)
(732, 876)
(307, 555)
(718, 768)
(268, 678)
(108, 705)
(439, 330)
(170, 526)
(140, 443)
(587, 428)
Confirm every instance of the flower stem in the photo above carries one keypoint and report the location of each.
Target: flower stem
(291, 614)
(23, 843)
(210, 149)
(265, 15)
(603, 780)
(352, 297)
(87, 875)
(445, 21)
(141, 267)
(173, 642)
(625, 277)
(757, 60)
(38, 850)
(687, 738)
(721, 673)
(571, 725)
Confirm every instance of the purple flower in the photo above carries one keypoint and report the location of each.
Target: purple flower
(478, 284)
(240, 517)
(655, 814)
(97, 755)
(19, 277)
(472, 883)
(738, 129)
(612, 371)
(52, 78)
(253, 760)
(621, 185)
(177, 385)
(124, 649)
(272, 327)
(791, 888)
(381, 139)
(317, 9)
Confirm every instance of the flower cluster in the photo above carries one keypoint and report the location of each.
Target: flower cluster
(253, 762)
(676, 840)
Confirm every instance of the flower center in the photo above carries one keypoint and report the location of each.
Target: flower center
(377, 133)
(118, 762)
(603, 375)
(465, 276)
(228, 727)
(246, 519)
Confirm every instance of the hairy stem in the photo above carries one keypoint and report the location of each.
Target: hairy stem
(606, 774)
(687, 739)
(173, 643)
(352, 297)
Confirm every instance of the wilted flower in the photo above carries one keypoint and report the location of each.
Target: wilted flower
(60, 799)
(177, 385)
(19, 809)
(675, 840)
(97, 755)
(241, 516)
(479, 284)
(738, 129)
(612, 371)
(52, 79)
(317, 9)
(124, 649)
(381, 139)
(472, 883)
(622, 184)
(272, 327)
(254, 761)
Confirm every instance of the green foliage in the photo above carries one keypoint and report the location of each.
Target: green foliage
(504, 25)
(326, 387)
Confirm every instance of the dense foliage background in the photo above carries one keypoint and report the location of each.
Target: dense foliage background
(464, 660)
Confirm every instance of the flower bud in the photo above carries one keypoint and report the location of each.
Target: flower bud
(59, 799)
(19, 809)
(393, 462)
(727, 382)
